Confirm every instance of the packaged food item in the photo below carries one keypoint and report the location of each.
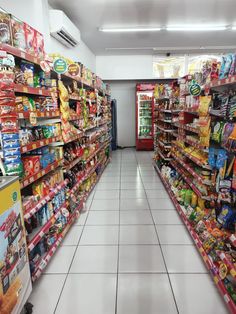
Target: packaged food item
(217, 131)
(14, 168)
(204, 105)
(5, 27)
(31, 165)
(30, 39)
(9, 124)
(18, 33)
(28, 69)
(39, 45)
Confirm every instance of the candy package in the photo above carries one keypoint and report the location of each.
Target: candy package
(5, 22)
(28, 69)
(39, 45)
(14, 168)
(18, 33)
(217, 131)
(8, 124)
(30, 39)
(6, 80)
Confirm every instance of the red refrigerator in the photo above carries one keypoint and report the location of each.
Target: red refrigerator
(144, 116)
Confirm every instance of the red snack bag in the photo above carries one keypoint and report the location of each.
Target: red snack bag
(6, 80)
(9, 124)
(31, 165)
(18, 33)
(39, 45)
(30, 39)
(7, 94)
(8, 109)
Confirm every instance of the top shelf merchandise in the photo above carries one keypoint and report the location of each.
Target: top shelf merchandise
(55, 135)
(200, 178)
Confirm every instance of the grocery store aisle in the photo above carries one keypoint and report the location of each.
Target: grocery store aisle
(128, 254)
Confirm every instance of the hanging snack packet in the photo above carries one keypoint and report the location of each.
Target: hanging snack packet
(204, 105)
(217, 131)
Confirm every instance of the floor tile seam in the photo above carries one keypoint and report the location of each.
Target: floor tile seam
(172, 290)
(118, 255)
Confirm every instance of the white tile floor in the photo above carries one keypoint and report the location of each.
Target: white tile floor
(128, 254)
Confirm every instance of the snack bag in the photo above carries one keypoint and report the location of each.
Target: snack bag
(39, 45)
(18, 33)
(30, 39)
(204, 105)
(5, 22)
(217, 131)
(28, 69)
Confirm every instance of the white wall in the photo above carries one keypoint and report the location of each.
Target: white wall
(124, 93)
(129, 67)
(36, 14)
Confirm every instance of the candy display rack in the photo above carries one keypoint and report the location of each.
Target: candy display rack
(63, 145)
(200, 176)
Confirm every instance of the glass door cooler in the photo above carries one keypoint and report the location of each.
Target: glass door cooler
(144, 119)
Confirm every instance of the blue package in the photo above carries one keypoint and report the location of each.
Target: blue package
(221, 158)
(11, 152)
(10, 136)
(11, 143)
(12, 160)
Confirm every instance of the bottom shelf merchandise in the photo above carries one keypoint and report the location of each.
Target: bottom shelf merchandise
(63, 208)
(210, 230)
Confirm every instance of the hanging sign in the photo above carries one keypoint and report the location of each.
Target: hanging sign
(73, 69)
(195, 89)
(60, 66)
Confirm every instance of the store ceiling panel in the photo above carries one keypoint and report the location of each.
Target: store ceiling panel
(90, 15)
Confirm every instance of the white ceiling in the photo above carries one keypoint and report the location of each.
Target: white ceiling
(89, 15)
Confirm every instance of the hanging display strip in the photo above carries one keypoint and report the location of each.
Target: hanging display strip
(28, 180)
(191, 171)
(20, 54)
(39, 114)
(212, 268)
(45, 200)
(34, 91)
(194, 159)
(39, 144)
(42, 230)
(189, 181)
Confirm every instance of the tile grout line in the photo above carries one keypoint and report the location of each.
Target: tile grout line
(176, 305)
(118, 256)
(72, 260)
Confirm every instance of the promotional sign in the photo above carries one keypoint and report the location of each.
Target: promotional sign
(73, 69)
(60, 66)
(195, 89)
(15, 280)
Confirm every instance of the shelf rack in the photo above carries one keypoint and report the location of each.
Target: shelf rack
(206, 259)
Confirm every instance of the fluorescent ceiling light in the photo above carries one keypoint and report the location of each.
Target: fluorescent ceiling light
(234, 28)
(131, 29)
(195, 28)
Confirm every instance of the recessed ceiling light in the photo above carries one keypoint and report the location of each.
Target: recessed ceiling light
(130, 29)
(196, 28)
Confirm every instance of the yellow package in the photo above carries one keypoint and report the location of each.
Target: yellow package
(204, 105)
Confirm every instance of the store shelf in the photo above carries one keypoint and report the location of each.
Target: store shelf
(194, 159)
(166, 146)
(97, 151)
(195, 144)
(20, 54)
(46, 259)
(191, 171)
(39, 114)
(39, 143)
(191, 110)
(40, 232)
(73, 163)
(228, 263)
(45, 200)
(221, 82)
(35, 91)
(164, 120)
(188, 128)
(28, 180)
(73, 138)
(164, 130)
(207, 260)
(189, 181)
(162, 156)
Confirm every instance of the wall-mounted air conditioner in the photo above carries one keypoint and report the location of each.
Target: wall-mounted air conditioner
(63, 29)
